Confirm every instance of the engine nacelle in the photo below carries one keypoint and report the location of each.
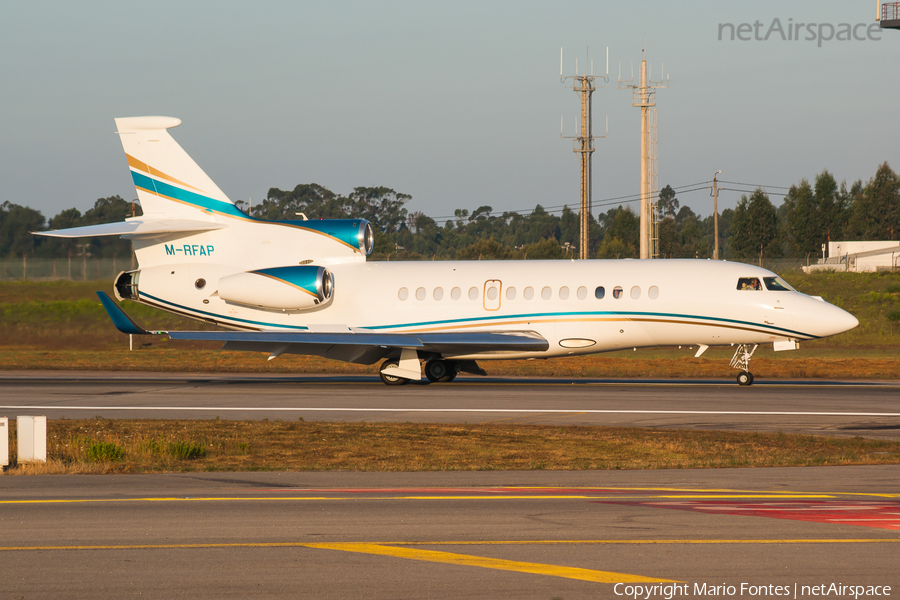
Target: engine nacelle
(280, 288)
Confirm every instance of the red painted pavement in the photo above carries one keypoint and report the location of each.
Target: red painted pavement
(882, 515)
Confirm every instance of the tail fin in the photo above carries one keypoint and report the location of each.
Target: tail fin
(168, 182)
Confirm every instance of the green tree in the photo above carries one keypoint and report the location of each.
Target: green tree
(311, 199)
(814, 215)
(668, 203)
(16, 224)
(545, 249)
(381, 206)
(754, 228)
(621, 225)
(876, 207)
(485, 249)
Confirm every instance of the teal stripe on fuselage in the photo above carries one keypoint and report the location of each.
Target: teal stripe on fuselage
(487, 320)
(626, 315)
(221, 319)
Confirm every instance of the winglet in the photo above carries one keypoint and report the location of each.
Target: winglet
(122, 321)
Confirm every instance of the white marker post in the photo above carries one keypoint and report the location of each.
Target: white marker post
(4, 442)
(32, 434)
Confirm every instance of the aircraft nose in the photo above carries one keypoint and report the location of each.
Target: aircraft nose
(839, 320)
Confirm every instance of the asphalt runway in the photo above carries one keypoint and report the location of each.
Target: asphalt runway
(586, 534)
(868, 409)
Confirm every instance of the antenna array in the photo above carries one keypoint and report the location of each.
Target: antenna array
(643, 96)
(584, 143)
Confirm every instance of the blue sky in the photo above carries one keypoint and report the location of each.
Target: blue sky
(456, 103)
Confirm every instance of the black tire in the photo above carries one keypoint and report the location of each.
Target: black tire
(391, 379)
(745, 378)
(437, 370)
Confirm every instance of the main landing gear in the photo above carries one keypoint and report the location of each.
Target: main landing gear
(386, 377)
(437, 370)
(741, 360)
(441, 371)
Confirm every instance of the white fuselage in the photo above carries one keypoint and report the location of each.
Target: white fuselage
(644, 303)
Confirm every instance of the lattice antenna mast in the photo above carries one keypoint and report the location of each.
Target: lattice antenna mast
(584, 143)
(643, 95)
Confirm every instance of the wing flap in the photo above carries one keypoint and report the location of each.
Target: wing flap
(440, 343)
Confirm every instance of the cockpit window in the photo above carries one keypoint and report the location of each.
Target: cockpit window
(749, 283)
(777, 284)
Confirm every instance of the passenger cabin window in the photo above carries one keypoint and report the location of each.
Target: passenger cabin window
(749, 283)
(617, 292)
(777, 284)
(599, 293)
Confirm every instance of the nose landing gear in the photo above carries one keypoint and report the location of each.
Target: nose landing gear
(741, 360)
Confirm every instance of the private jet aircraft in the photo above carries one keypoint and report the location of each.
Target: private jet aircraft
(305, 287)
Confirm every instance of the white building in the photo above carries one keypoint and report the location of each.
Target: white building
(859, 257)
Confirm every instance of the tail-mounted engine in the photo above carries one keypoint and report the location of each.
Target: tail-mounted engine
(355, 233)
(126, 285)
(280, 288)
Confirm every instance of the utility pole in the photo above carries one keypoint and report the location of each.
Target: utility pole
(643, 94)
(716, 215)
(584, 143)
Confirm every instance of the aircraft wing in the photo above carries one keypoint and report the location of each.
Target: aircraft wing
(135, 228)
(363, 347)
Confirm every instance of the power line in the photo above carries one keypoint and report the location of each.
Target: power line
(627, 199)
(757, 185)
(751, 191)
(604, 202)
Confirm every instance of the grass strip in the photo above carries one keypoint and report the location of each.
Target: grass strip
(162, 446)
(680, 364)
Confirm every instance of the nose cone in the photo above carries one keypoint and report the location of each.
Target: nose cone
(836, 320)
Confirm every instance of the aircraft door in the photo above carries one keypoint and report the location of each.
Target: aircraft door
(492, 289)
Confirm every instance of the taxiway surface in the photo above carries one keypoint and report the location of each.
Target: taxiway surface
(450, 535)
(833, 408)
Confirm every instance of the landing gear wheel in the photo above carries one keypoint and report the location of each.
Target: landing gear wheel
(389, 379)
(745, 378)
(438, 370)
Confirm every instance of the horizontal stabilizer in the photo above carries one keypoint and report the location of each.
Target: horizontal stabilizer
(135, 228)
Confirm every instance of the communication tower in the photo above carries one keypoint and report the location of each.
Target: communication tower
(584, 143)
(643, 95)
